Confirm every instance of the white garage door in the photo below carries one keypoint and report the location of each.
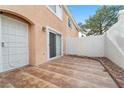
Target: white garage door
(14, 43)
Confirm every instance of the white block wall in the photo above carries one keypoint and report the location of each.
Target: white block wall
(114, 42)
(113, 53)
(110, 45)
(92, 46)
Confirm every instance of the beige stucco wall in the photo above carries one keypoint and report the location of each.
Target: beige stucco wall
(39, 16)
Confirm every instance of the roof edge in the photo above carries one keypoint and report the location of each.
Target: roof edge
(69, 13)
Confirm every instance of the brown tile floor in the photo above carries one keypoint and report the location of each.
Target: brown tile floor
(66, 72)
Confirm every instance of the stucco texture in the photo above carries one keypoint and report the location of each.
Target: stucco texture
(37, 17)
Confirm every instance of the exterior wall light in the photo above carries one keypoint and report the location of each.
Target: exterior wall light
(44, 29)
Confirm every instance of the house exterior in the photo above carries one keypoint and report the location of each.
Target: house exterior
(32, 35)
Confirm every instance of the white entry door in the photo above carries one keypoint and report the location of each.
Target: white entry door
(14, 43)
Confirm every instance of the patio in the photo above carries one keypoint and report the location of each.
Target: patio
(65, 72)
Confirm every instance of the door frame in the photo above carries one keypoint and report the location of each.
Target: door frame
(52, 30)
(0, 45)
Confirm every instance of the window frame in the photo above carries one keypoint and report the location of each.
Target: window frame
(52, 9)
(55, 13)
(69, 23)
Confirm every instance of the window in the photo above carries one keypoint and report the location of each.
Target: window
(57, 10)
(53, 8)
(69, 23)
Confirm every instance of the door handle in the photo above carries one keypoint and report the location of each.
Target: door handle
(3, 44)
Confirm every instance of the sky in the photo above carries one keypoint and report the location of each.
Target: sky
(82, 12)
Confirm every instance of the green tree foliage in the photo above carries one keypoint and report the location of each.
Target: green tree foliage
(99, 23)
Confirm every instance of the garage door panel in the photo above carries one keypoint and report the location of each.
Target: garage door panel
(17, 51)
(11, 38)
(12, 51)
(6, 67)
(4, 30)
(5, 37)
(5, 59)
(15, 38)
(20, 39)
(5, 51)
(12, 58)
